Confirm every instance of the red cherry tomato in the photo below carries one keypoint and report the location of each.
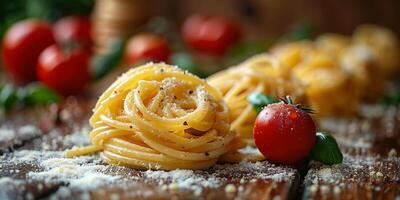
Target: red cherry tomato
(149, 47)
(210, 34)
(22, 45)
(73, 29)
(284, 133)
(67, 73)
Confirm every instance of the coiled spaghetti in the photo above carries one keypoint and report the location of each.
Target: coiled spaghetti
(157, 116)
(332, 74)
(261, 73)
(384, 46)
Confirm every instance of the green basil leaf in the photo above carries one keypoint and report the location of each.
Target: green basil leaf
(326, 150)
(8, 97)
(37, 94)
(101, 65)
(187, 62)
(259, 100)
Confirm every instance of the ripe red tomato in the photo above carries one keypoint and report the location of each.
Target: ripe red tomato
(210, 34)
(146, 47)
(73, 29)
(67, 73)
(284, 133)
(22, 45)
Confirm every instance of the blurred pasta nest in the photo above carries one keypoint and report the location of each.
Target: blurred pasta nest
(332, 74)
(261, 73)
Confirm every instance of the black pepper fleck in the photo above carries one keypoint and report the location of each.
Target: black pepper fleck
(207, 154)
(190, 91)
(185, 123)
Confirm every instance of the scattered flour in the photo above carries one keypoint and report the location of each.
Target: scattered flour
(79, 137)
(7, 186)
(249, 150)
(183, 179)
(256, 170)
(21, 133)
(198, 180)
(6, 134)
(86, 173)
(371, 171)
(81, 172)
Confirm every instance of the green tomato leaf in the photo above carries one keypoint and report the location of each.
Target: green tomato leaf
(37, 94)
(260, 100)
(8, 97)
(186, 62)
(101, 65)
(326, 150)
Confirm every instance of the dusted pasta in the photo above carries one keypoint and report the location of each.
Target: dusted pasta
(261, 73)
(331, 74)
(384, 45)
(158, 116)
(328, 88)
(332, 44)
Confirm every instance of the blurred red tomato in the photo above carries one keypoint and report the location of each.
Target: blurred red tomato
(149, 47)
(22, 45)
(65, 72)
(210, 34)
(75, 29)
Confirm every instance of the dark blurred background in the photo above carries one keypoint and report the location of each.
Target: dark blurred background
(109, 36)
(271, 17)
(277, 16)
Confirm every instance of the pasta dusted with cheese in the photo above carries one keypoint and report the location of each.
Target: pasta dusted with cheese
(261, 73)
(330, 74)
(351, 65)
(371, 56)
(328, 89)
(332, 44)
(384, 46)
(157, 116)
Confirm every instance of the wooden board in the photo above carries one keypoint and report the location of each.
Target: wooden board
(371, 167)
(33, 166)
(38, 169)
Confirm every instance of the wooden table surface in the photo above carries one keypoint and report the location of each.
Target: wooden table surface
(32, 164)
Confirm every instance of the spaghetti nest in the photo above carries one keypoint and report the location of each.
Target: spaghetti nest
(157, 116)
(262, 74)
